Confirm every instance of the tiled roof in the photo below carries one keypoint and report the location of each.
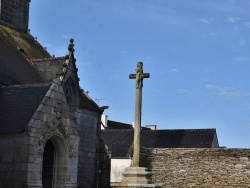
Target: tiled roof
(14, 66)
(48, 67)
(88, 103)
(178, 138)
(27, 44)
(118, 125)
(18, 104)
(120, 142)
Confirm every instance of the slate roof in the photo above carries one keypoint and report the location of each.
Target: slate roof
(14, 66)
(24, 61)
(32, 49)
(88, 103)
(120, 141)
(118, 125)
(48, 67)
(18, 104)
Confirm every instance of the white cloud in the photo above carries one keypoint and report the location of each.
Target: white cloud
(227, 91)
(243, 59)
(242, 42)
(173, 70)
(247, 24)
(184, 92)
(232, 19)
(205, 20)
(248, 107)
(124, 51)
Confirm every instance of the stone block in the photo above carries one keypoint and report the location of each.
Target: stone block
(7, 158)
(34, 167)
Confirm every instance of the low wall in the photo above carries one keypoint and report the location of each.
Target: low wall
(118, 166)
(219, 167)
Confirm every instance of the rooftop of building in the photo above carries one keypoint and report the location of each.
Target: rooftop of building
(18, 103)
(120, 141)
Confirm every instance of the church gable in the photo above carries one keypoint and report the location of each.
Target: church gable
(53, 122)
(64, 68)
(53, 109)
(69, 70)
(53, 119)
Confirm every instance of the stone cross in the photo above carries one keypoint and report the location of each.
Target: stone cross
(138, 105)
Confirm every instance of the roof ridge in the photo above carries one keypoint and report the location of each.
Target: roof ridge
(120, 122)
(48, 58)
(28, 85)
(117, 130)
(183, 129)
(161, 129)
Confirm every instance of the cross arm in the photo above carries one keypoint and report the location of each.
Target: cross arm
(132, 76)
(145, 75)
(142, 75)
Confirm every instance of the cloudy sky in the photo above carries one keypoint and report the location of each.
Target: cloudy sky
(197, 54)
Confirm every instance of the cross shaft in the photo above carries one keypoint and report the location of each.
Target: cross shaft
(138, 108)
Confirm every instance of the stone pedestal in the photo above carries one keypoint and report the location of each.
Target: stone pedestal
(135, 177)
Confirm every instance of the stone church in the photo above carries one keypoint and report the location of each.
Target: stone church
(49, 127)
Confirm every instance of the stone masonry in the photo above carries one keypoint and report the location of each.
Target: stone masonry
(15, 13)
(13, 165)
(198, 167)
(88, 124)
(21, 154)
(53, 121)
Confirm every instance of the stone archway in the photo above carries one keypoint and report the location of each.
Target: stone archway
(54, 163)
(49, 164)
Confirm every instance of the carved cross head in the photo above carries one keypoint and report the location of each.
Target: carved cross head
(139, 75)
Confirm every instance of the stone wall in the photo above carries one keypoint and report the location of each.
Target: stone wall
(15, 13)
(118, 166)
(53, 121)
(13, 160)
(87, 123)
(198, 167)
(103, 164)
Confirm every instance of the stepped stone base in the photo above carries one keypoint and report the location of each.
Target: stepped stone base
(135, 177)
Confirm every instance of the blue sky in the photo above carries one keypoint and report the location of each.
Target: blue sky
(197, 54)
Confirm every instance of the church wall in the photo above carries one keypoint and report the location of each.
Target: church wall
(87, 123)
(53, 120)
(13, 160)
(104, 165)
(198, 167)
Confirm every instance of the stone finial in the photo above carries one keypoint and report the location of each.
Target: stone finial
(71, 45)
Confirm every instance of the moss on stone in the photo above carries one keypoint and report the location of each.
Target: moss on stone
(26, 43)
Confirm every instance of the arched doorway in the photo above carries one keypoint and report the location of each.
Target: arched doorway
(49, 161)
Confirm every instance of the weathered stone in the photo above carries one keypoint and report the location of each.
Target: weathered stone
(198, 167)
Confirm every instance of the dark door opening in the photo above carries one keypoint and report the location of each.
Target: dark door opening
(48, 165)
